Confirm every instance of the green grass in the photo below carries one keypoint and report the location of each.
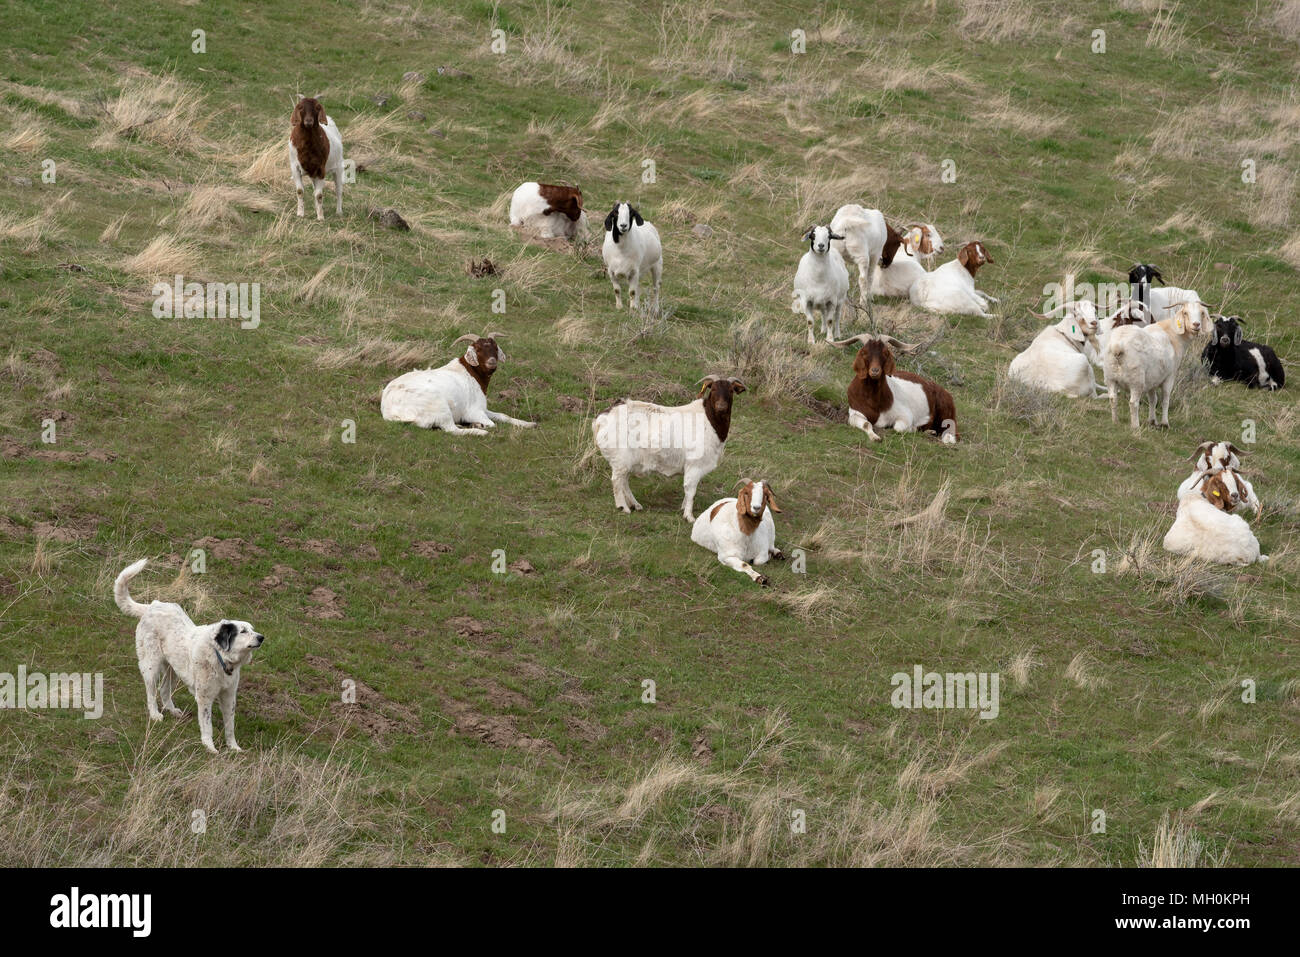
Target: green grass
(523, 692)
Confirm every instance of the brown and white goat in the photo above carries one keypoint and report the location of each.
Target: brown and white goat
(553, 211)
(740, 530)
(882, 396)
(315, 148)
(455, 393)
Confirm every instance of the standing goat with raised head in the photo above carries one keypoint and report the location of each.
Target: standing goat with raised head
(1145, 360)
(637, 438)
(456, 393)
(881, 396)
(631, 248)
(315, 148)
(1230, 355)
(821, 282)
(740, 530)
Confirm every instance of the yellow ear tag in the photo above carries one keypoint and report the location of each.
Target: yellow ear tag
(1217, 495)
(1178, 325)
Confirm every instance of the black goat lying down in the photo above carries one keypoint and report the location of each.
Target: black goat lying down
(1229, 356)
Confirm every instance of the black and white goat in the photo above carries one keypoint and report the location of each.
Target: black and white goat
(1231, 356)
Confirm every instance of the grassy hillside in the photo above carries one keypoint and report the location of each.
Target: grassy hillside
(372, 561)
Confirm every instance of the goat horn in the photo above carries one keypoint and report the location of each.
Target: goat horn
(900, 345)
(495, 335)
(860, 337)
(469, 335)
(710, 378)
(741, 482)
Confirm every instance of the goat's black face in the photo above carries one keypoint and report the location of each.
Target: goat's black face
(1227, 332)
(1145, 273)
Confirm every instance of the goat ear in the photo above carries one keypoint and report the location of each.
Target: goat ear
(225, 635)
(836, 236)
(636, 216)
(737, 388)
(1155, 274)
(807, 234)
(963, 255)
(1233, 449)
(609, 220)
(769, 499)
(1236, 339)
(471, 356)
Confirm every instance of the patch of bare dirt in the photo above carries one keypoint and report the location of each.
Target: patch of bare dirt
(68, 529)
(500, 696)
(522, 566)
(585, 729)
(229, 549)
(498, 731)
(372, 713)
(429, 549)
(701, 750)
(325, 604)
(280, 575)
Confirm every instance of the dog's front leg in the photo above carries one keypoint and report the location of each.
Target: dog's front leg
(205, 722)
(228, 716)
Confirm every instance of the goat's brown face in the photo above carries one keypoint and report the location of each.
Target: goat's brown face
(754, 498)
(488, 354)
(309, 112)
(1219, 493)
(874, 360)
(719, 392)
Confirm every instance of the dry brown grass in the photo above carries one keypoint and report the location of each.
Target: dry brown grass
(1274, 187)
(1176, 844)
(25, 138)
(164, 257)
(1168, 32)
(378, 352)
(32, 232)
(1285, 19)
(208, 206)
(159, 109)
(1000, 21)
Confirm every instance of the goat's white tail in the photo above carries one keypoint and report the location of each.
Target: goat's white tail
(122, 596)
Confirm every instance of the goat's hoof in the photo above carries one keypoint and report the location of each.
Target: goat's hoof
(777, 555)
(763, 581)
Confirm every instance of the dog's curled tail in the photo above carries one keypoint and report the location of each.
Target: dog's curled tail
(122, 596)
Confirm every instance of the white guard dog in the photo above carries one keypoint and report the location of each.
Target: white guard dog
(206, 657)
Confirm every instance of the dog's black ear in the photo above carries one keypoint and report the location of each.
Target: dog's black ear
(225, 635)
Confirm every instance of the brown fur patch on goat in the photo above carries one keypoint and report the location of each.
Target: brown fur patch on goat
(310, 142)
(484, 349)
(1216, 492)
(870, 396)
(893, 239)
(717, 396)
(561, 199)
(972, 256)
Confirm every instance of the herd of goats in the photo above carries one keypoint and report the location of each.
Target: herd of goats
(1139, 346)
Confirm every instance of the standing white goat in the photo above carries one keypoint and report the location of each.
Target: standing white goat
(631, 247)
(1145, 360)
(637, 438)
(821, 282)
(862, 236)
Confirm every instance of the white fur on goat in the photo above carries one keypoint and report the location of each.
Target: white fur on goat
(740, 530)
(637, 438)
(553, 212)
(631, 248)
(1145, 360)
(1205, 527)
(951, 287)
(443, 398)
(1058, 359)
(821, 283)
(863, 233)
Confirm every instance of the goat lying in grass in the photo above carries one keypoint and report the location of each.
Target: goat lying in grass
(1231, 356)
(1058, 359)
(1214, 457)
(1205, 527)
(315, 148)
(951, 287)
(740, 530)
(443, 398)
(882, 397)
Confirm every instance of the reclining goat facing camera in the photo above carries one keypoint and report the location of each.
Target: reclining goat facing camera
(740, 530)
(882, 397)
(453, 394)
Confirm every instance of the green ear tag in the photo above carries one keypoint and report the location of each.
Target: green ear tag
(1073, 330)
